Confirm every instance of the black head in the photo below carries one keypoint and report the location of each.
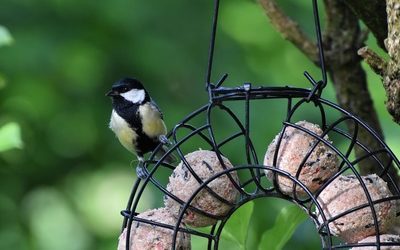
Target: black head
(130, 90)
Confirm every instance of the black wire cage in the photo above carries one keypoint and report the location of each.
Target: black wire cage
(345, 203)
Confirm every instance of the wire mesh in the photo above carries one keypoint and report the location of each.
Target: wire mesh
(252, 179)
(253, 182)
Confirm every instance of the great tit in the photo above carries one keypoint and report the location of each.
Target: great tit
(136, 119)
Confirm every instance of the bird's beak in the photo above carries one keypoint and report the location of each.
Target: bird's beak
(112, 93)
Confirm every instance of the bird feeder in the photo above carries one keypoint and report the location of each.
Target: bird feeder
(315, 165)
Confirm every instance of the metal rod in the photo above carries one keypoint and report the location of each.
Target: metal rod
(319, 43)
(212, 44)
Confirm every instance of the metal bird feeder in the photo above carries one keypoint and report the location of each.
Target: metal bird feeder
(253, 182)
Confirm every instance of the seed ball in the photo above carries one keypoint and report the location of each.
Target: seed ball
(382, 238)
(295, 144)
(147, 236)
(395, 227)
(345, 193)
(183, 185)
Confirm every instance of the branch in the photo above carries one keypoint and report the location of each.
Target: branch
(393, 43)
(289, 29)
(390, 71)
(377, 63)
(391, 81)
(342, 39)
(373, 14)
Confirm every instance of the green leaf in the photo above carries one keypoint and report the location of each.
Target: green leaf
(200, 243)
(288, 219)
(234, 234)
(5, 36)
(10, 137)
(2, 81)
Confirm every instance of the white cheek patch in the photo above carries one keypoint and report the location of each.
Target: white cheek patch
(134, 95)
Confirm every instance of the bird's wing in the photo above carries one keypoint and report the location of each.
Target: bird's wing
(154, 104)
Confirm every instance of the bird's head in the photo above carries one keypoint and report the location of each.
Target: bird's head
(129, 90)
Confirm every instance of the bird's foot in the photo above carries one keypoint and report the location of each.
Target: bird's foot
(141, 173)
(164, 140)
(140, 169)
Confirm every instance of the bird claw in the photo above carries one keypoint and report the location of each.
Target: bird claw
(140, 171)
(164, 140)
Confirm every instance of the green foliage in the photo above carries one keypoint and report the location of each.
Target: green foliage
(10, 133)
(234, 235)
(5, 39)
(2, 81)
(236, 231)
(55, 224)
(288, 219)
(10, 136)
(5, 36)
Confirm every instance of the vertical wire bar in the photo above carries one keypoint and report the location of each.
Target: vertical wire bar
(247, 122)
(319, 42)
(129, 205)
(210, 241)
(256, 178)
(212, 44)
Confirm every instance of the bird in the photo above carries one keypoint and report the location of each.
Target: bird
(136, 119)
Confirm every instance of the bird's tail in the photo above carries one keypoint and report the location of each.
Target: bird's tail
(169, 159)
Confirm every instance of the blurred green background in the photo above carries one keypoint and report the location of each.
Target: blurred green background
(65, 187)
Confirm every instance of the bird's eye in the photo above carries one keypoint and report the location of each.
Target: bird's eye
(124, 89)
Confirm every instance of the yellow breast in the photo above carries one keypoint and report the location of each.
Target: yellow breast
(126, 135)
(153, 125)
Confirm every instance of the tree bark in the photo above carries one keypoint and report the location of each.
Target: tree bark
(373, 14)
(342, 38)
(389, 71)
